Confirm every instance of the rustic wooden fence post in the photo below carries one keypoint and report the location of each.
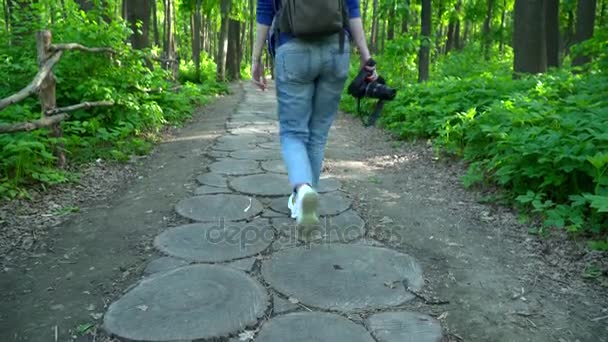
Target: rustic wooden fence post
(46, 94)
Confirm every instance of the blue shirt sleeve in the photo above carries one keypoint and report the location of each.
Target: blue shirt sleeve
(353, 8)
(265, 11)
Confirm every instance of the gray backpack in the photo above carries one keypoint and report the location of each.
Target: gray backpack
(311, 19)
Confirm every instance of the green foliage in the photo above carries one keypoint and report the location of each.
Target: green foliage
(543, 139)
(145, 99)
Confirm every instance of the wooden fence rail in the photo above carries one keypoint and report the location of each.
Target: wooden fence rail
(43, 85)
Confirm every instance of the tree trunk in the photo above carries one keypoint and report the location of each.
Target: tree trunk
(466, 34)
(585, 21)
(196, 40)
(374, 40)
(382, 36)
(170, 62)
(7, 15)
(602, 19)
(139, 10)
(425, 35)
(552, 20)
(223, 41)
(487, 27)
(438, 39)
(155, 23)
(406, 17)
(529, 37)
(364, 14)
(47, 93)
(232, 55)
(503, 19)
(251, 28)
(85, 5)
(390, 35)
(125, 9)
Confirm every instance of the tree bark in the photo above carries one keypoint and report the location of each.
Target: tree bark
(155, 23)
(529, 37)
(487, 27)
(390, 34)
(139, 10)
(85, 5)
(374, 40)
(406, 17)
(251, 28)
(47, 92)
(438, 39)
(552, 20)
(196, 40)
(232, 55)
(425, 35)
(170, 62)
(364, 13)
(503, 19)
(585, 22)
(223, 41)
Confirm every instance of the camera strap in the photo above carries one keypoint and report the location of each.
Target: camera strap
(374, 115)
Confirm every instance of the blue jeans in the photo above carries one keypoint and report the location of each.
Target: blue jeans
(310, 78)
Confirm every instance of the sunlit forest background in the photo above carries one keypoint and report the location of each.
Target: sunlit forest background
(515, 88)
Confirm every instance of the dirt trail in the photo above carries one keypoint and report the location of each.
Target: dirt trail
(98, 251)
(485, 279)
(502, 284)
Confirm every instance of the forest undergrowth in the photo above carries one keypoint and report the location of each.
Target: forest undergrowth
(541, 139)
(146, 100)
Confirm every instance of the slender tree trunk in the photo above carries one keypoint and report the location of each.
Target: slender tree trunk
(383, 36)
(155, 23)
(374, 40)
(487, 27)
(232, 55)
(169, 39)
(204, 32)
(196, 40)
(466, 34)
(7, 15)
(139, 10)
(552, 20)
(364, 14)
(223, 41)
(503, 19)
(585, 22)
(390, 35)
(529, 37)
(425, 35)
(251, 28)
(406, 17)
(602, 19)
(85, 5)
(125, 9)
(439, 35)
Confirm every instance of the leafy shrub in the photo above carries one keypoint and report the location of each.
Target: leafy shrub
(145, 101)
(541, 138)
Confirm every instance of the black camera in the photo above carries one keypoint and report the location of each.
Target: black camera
(377, 89)
(362, 87)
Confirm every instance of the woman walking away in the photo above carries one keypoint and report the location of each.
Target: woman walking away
(309, 41)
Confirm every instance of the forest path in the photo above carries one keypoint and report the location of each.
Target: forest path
(403, 252)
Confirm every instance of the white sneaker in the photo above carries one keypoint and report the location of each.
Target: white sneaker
(307, 202)
(291, 205)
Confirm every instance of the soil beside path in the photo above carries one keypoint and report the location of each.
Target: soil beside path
(502, 284)
(484, 278)
(98, 252)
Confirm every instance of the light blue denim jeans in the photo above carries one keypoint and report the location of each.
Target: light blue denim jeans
(310, 78)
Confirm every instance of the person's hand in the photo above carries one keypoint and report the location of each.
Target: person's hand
(257, 74)
(372, 75)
